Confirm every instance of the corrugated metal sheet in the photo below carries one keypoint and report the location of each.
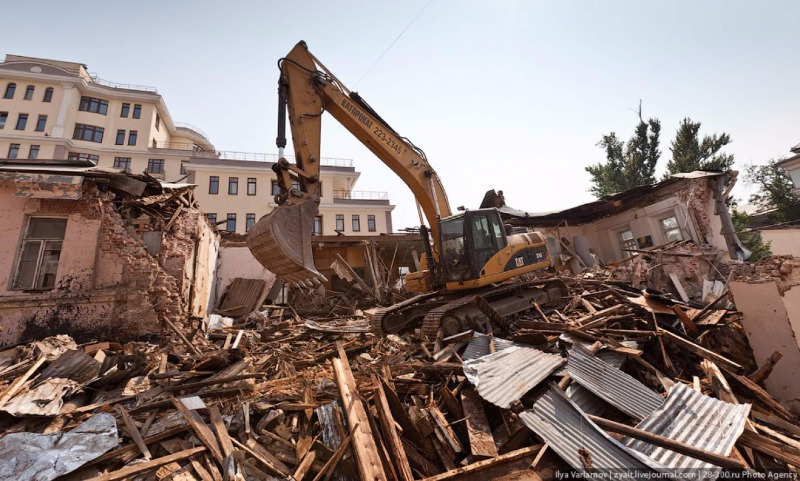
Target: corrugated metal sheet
(587, 401)
(569, 432)
(46, 399)
(695, 419)
(610, 384)
(479, 346)
(72, 364)
(504, 377)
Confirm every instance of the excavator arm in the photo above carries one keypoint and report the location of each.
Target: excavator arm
(281, 239)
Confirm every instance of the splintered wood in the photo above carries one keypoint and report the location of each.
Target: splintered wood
(283, 393)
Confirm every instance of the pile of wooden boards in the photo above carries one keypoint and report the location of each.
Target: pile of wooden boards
(269, 397)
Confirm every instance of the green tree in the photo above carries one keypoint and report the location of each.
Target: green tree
(750, 238)
(690, 153)
(627, 165)
(774, 192)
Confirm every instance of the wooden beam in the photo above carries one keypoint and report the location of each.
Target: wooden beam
(200, 428)
(17, 384)
(129, 471)
(486, 464)
(671, 444)
(699, 350)
(686, 320)
(135, 434)
(759, 393)
(393, 441)
(481, 442)
(764, 371)
(367, 456)
(221, 431)
(778, 450)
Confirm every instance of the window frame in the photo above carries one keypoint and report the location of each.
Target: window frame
(123, 163)
(317, 226)
(11, 90)
(93, 105)
(250, 221)
(233, 185)
(156, 162)
(93, 130)
(213, 185)
(3, 119)
(29, 91)
(48, 95)
(83, 156)
(137, 111)
(120, 137)
(133, 136)
(665, 231)
(13, 151)
(41, 123)
(125, 110)
(212, 218)
(355, 220)
(339, 222)
(251, 181)
(231, 217)
(22, 119)
(38, 275)
(33, 152)
(372, 226)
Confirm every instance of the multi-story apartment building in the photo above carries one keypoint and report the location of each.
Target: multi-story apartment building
(52, 109)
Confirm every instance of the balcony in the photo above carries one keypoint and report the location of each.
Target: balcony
(116, 85)
(360, 197)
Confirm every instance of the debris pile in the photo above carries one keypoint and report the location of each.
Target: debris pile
(616, 378)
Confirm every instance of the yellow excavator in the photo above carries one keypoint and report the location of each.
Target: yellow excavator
(465, 275)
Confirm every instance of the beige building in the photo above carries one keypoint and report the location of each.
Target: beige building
(58, 110)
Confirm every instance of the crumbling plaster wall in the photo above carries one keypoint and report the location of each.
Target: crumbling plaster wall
(235, 260)
(783, 242)
(118, 288)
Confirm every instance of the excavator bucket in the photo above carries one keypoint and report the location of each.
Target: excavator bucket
(281, 242)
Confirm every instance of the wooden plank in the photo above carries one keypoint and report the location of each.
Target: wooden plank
(664, 442)
(17, 384)
(481, 442)
(393, 441)
(444, 432)
(698, 350)
(305, 465)
(778, 450)
(486, 464)
(327, 470)
(686, 320)
(756, 391)
(135, 434)
(367, 457)
(679, 287)
(764, 371)
(266, 458)
(200, 428)
(129, 471)
(221, 431)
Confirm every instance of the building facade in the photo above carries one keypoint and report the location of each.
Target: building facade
(52, 109)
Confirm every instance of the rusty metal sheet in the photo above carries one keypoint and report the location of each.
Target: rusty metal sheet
(611, 384)
(73, 364)
(692, 418)
(504, 377)
(566, 429)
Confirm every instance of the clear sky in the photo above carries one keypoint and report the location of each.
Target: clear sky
(506, 94)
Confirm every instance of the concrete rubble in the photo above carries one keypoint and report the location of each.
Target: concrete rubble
(625, 375)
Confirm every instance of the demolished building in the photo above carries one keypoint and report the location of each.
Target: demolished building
(93, 251)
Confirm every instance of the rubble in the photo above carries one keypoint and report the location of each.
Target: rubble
(619, 377)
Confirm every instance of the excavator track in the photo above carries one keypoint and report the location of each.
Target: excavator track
(376, 318)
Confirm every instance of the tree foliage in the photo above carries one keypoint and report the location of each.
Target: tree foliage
(630, 164)
(750, 238)
(690, 153)
(774, 192)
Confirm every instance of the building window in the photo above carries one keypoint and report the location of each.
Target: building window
(671, 229)
(10, 90)
(158, 122)
(84, 157)
(356, 223)
(371, 223)
(120, 137)
(94, 105)
(39, 253)
(126, 108)
(40, 123)
(212, 217)
(250, 222)
(29, 92)
(123, 163)
(233, 185)
(213, 184)
(137, 111)
(627, 243)
(251, 186)
(132, 136)
(22, 121)
(88, 132)
(230, 226)
(276, 189)
(34, 152)
(48, 94)
(340, 222)
(13, 151)
(3, 118)
(155, 166)
(317, 225)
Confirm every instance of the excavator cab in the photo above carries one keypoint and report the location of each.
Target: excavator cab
(468, 241)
